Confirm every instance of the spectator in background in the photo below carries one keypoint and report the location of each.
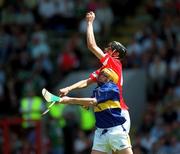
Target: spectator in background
(56, 137)
(80, 8)
(65, 12)
(157, 69)
(82, 144)
(8, 15)
(157, 73)
(175, 144)
(31, 105)
(174, 69)
(134, 54)
(152, 43)
(2, 75)
(32, 4)
(72, 119)
(169, 114)
(174, 66)
(65, 8)
(158, 130)
(39, 74)
(25, 63)
(19, 39)
(104, 12)
(5, 40)
(147, 141)
(3, 80)
(177, 90)
(45, 5)
(169, 95)
(39, 47)
(41, 50)
(39, 33)
(25, 17)
(58, 15)
(13, 93)
(134, 47)
(67, 59)
(168, 31)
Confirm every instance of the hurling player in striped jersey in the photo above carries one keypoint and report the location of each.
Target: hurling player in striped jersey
(110, 134)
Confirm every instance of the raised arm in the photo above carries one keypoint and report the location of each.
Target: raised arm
(91, 42)
(77, 85)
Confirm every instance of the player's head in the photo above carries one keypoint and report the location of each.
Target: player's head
(106, 75)
(116, 49)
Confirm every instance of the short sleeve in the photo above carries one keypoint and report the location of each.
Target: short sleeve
(105, 59)
(94, 75)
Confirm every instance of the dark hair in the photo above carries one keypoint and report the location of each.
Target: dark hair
(119, 48)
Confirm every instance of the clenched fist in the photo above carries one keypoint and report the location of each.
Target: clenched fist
(90, 16)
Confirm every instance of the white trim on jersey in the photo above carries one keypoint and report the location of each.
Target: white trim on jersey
(121, 82)
(105, 62)
(94, 75)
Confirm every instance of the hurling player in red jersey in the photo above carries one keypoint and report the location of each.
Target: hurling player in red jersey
(110, 58)
(115, 64)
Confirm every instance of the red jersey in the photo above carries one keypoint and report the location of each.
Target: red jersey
(115, 65)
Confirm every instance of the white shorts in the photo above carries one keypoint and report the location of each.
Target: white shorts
(114, 138)
(127, 124)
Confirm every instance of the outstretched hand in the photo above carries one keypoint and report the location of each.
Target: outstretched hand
(90, 16)
(63, 91)
(64, 99)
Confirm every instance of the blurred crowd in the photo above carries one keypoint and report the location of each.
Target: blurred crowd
(156, 48)
(41, 41)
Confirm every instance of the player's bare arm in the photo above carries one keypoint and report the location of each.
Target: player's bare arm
(79, 101)
(78, 85)
(91, 42)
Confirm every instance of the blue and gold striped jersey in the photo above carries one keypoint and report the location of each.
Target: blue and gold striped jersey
(108, 109)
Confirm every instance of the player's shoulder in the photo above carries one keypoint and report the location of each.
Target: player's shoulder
(112, 60)
(110, 85)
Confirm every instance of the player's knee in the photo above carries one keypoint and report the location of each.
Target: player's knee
(124, 151)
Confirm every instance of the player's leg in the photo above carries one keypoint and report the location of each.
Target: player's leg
(123, 151)
(97, 152)
(100, 144)
(119, 140)
(126, 126)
